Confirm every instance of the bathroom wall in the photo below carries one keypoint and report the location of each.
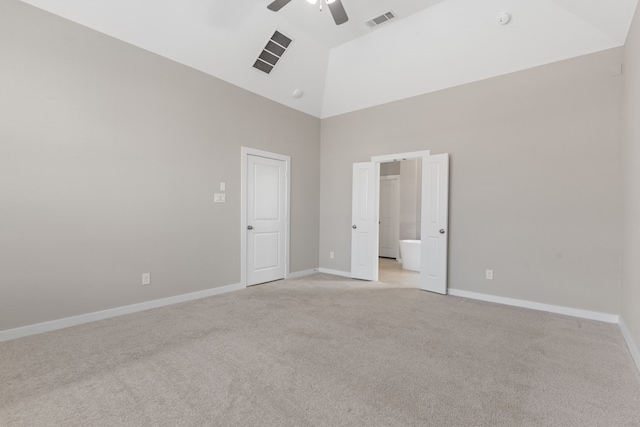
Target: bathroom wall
(410, 199)
(410, 189)
(389, 168)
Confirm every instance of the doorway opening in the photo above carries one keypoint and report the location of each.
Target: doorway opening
(365, 236)
(400, 187)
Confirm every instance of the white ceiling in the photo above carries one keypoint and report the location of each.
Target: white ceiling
(432, 45)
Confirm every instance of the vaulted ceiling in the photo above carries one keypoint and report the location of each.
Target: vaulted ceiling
(430, 45)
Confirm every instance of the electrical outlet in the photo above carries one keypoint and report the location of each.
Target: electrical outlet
(489, 274)
(331, 255)
(146, 278)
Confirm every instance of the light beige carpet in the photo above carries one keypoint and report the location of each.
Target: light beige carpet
(323, 351)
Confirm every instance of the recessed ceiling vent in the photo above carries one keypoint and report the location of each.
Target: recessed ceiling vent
(379, 20)
(272, 52)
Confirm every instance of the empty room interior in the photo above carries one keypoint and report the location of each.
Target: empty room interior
(159, 159)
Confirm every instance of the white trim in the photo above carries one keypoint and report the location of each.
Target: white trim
(112, 312)
(245, 152)
(302, 273)
(335, 272)
(568, 311)
(401, 156)
(633, 348)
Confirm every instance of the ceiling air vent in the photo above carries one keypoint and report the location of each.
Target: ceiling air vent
(272, 52)
(379, 20)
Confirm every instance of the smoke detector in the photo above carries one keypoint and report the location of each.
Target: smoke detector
(504, 18)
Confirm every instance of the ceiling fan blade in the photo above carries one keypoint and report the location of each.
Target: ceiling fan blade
(278, 4)
(338, 12)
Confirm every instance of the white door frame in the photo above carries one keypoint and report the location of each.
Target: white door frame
(245, 153)
(422, 155)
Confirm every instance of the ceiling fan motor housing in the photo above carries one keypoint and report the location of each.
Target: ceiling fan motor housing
(335, 6)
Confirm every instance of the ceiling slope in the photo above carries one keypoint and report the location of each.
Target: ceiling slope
(432, 45)
(611, 17)
(453, 43)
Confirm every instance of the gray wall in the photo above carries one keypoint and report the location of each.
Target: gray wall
(534, 191)
(631, 168)
(389, 168)
(109, 158)
(410, 199)
(110, 155)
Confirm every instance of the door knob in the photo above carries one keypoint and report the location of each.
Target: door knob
(249, 227)
(442, 231)
(354, 226)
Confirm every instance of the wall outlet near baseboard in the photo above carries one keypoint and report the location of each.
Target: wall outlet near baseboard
(489, 274)
(331, 255)
(146, 278)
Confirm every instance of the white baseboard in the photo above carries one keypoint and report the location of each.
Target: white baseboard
(335, 272)
(584, 314)
(112, 312)
(302, 273)
(633, 348)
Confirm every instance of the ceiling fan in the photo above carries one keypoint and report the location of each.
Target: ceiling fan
(335, 6)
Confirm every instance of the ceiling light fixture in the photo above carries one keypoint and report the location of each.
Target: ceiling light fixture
(321, 1)
(335, 7)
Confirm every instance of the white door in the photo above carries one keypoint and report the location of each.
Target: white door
(363, 244)
(266, 219)
(435, 203)
(389, 214)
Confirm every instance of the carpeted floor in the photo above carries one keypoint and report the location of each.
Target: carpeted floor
(323, 351)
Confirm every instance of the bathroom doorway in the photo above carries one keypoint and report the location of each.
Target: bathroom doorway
(433, 223)
(400, 185)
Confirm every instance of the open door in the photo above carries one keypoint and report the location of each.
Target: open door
(435, 203)
(434, 218)
(363, 223)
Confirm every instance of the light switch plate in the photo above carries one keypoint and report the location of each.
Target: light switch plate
(223, 186)
(219, 198)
